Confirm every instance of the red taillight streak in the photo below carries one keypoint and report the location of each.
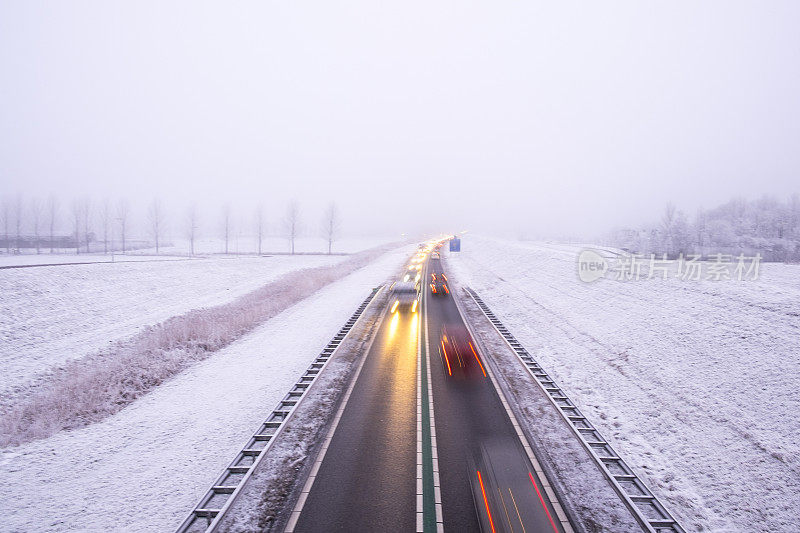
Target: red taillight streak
(446, 359)
(485, 501)
(446, 289)
(477, 359)
(535, 486)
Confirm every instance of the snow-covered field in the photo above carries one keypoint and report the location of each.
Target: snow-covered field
(694, 383)
(49, 315)
(28, 259)
(144, 468)
(276, 244)
(181, 249)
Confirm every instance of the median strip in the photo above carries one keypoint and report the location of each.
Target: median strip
(429, 496)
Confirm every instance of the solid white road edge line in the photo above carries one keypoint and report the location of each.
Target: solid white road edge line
(420, 506)
(437, 491)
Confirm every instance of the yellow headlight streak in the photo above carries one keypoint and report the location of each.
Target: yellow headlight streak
(393, 325)
(414, 323)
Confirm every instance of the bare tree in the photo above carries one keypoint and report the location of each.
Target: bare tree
(36, 218)
(226, 225)
(105, 219)
(5, 213)
(191, 228)
(331, 225)
(18, 221)
(86, 211)
(668, 227)
(291, 223)
(52, 210)
(76, 218)
(156, 216)
(260, 225)
(123, 212)
(794, 216)
(700, 228)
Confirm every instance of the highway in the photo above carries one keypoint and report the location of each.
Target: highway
(368, 478)
(367, 481)
(475, 434)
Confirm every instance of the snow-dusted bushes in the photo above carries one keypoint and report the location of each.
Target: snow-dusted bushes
(766, 226)
(89, 389)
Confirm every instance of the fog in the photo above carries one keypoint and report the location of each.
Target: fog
(526, 118)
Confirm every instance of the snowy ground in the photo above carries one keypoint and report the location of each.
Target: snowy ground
(273, 244)
(49, 315)
(27, 259)
(694, 383)
(181, 248)
(144, 468)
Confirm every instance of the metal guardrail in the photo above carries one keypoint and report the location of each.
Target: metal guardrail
(208, 513)
(649, 512)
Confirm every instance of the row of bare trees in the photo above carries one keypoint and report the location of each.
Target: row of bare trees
(292, 226)
(37, 224)
(106, 218)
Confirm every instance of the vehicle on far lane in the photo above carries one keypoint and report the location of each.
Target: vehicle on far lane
(439, 284)
(405, 296)
(435, 255)
(458, 353)
(506, 494)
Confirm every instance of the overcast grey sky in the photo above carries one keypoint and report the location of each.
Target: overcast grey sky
(527, 117)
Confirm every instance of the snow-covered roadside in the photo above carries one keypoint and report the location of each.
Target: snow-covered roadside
(584, 491)
(51, 315)
(693, 382)
(143, 468)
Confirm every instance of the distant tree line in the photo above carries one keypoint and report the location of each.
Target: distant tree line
(765, 226)
(86, 226)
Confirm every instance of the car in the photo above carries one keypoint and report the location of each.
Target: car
(460, 358)
(435, 255)
(413, 273)
(439, 284)
(405, 296)
(501, 479)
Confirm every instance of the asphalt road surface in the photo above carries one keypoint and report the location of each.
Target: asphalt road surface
(367, 481)
(475, 434)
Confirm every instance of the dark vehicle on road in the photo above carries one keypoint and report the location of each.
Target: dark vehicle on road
(458, 353)
(439, 285)
(506, 494)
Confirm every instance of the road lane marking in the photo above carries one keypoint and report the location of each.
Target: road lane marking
(437, 489)
(429, 494)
